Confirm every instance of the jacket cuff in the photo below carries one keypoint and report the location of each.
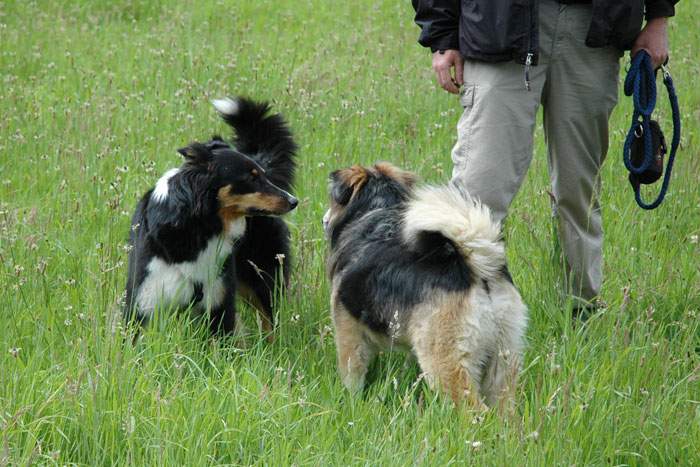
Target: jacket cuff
(443, 43)
(659, 9)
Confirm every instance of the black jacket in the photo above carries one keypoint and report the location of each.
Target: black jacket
(503, 30)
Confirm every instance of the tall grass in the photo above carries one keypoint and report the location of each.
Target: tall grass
(96, 96)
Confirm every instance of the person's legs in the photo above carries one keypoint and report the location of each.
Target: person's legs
(494, 134)
(579, 96)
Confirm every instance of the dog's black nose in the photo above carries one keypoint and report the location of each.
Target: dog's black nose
(293, 202)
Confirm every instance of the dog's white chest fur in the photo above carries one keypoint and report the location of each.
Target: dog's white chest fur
(173, 285)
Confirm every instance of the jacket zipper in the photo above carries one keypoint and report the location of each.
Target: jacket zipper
(530, 53)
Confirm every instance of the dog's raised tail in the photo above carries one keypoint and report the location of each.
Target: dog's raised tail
(262, 135)
(459, 220)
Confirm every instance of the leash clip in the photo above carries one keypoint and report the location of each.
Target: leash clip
(665, 71)
(639, 131)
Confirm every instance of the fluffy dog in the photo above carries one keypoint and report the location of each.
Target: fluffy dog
(422, 269)
(209, 227)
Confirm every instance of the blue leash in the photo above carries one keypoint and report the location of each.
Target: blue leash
(640, 83)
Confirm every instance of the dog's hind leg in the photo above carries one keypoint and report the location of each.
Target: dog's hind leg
(260, 298)
(446, 356)
(500, 377)
(502, 369)
(262, 266)
(444, 368)
(500, 381)
(222, 320)
(354, 352)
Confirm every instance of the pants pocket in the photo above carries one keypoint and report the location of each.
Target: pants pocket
(466, 96)
(460, 151)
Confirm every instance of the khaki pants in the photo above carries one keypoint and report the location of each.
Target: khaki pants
(577, 87)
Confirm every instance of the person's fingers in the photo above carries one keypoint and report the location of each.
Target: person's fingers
(442, 78)
(447, 82)
(659, 58)
(459, 70)
(437, 68)
(440, 75)
(452, 87)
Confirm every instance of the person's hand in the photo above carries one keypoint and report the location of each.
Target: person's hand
(443, 63)
(653, 39)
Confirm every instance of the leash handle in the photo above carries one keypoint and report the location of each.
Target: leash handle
(640, 83)
(640, 73)
(675, 143)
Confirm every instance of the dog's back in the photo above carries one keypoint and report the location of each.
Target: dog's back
(437, 241)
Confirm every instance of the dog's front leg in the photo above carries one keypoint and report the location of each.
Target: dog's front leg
(223, 320)
(223, 317)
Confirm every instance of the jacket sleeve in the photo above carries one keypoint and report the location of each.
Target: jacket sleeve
(439, 23)
(659, 8)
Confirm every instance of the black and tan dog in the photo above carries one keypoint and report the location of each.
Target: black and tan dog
(422, 269)
(211, 226)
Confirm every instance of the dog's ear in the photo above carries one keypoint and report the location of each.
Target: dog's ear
(404, 177)
(346, 182)
(195, 153)
(340, 192)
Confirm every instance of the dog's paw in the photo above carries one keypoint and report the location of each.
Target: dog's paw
(354, 383)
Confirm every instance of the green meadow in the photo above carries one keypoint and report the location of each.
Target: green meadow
(95, 99)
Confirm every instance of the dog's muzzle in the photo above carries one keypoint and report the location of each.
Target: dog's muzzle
(326, 220)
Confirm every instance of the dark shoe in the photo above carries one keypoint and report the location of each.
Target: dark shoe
(580, 313)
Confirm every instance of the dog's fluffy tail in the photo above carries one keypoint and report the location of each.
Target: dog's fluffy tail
(263, 136)
(443, 218)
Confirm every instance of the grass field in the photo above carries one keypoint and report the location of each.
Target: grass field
(96, 96)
